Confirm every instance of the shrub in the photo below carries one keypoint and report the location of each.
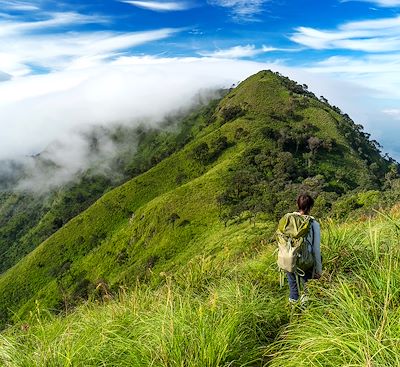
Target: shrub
(230, 113)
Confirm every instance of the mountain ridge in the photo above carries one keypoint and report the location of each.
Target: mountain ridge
(259, 148)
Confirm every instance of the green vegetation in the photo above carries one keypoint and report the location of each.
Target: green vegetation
(29, 218)
(200, 318)
(217, 313)
(353, 315)
(175, 267)
(225, 171)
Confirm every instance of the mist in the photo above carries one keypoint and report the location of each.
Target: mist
(50, 116)
(46, 119)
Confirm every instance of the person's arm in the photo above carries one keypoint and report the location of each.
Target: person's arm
(317, 247)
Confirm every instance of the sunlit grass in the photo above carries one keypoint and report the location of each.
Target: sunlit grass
(223, 313)
(352, 319)
(192, 320)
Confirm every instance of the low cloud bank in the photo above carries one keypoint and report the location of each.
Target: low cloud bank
(53, 113)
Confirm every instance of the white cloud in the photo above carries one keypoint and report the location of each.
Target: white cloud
(91, 82)
(18, 5)
(53, 20)
(160, 6)
(59, 51)
(242, 10)
(380, 35)
(380, 25)
(382, 3)
(126, 89)
(395, 113)
(44, 43)
(52, 111)
(378, 72)
(238, 52)
(4, 76)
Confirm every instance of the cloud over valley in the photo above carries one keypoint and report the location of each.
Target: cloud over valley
(52, 114)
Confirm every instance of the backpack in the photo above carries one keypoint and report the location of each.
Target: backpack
(294, 251)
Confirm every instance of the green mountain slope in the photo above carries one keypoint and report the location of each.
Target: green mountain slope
(233, 313)
(28, 218)
(267, 139)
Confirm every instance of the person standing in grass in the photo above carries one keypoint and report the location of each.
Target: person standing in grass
(303, 262)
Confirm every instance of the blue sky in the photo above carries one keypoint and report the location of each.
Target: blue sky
(53, 51)
(212, 28)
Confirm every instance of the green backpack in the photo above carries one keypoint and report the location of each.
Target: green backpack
(294, 252)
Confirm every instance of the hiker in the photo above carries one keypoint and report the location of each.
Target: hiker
(299, 247)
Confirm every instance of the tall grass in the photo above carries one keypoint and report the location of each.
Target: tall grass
(353, 318)
(213, 313)
(189, 321)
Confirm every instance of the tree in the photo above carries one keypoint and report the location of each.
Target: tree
(240, 132)
(201, 153)
(391, 175)
(269, 133)
(313, 185)
(243, 181)
(230, 113)
(328, 144)
(284, 165)
(223, 212)
(314, 143)
(219, 145)
(323, 100)
(284, 137)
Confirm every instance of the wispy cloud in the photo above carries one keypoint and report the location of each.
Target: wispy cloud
(54, 112)
(161, 6)
(238, 52)
(395, 113)
(18, 5)
(61, 106)
(52, 21)
(44, 43)
(57, 52)
(242, 10)
(382, 3)
(380, 35)
(378, 72)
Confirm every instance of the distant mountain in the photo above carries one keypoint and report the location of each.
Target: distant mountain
(243, 158)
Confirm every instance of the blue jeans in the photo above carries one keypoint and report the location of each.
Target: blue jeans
(293, 289)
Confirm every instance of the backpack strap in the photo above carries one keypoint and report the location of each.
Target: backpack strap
(312, 246)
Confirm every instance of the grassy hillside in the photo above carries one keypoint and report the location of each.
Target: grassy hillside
(29, 218)
(353, 316)
(232, 313)
(266, 140)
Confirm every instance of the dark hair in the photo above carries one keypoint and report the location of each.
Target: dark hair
(305, 202)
